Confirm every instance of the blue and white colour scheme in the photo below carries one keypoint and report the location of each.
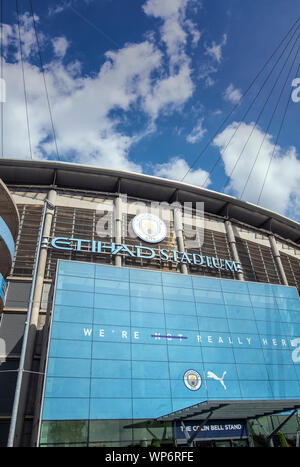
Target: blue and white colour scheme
(135, 344)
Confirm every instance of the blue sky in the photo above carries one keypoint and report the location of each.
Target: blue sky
(144, 86)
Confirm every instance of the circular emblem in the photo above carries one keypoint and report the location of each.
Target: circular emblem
(192, 380)
(149, 227)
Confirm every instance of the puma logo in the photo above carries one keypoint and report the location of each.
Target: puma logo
(210, 374)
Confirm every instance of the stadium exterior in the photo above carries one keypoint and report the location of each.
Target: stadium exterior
(141, 310)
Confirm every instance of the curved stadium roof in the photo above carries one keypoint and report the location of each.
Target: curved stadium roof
(43, 174)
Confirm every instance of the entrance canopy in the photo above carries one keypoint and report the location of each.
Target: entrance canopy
(220, 410)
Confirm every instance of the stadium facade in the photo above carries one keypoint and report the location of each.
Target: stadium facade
(141, 310)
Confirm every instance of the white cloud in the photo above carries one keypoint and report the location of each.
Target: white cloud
(215, 51)
(177, 169)
(197, 132)
(60, 46)
(232, 94)
(281, 189)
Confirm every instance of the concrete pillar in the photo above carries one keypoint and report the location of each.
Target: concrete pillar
(277, 259)
(38, 282)
(118, 226)
(233, 248)
(178, 227)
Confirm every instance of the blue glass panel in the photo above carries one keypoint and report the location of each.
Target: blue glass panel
(208, 296)
(211, 309)
(285, 389)
(103, 286)
(150, 305)
(264, 301)
(267, 314)
(283, 291)
(217, 355)
(69, 348)
(248, 355)
(75, 283)
(72, 298)
(111, 272)
(65, 409)
(150, 370)
(117, 369)
(252, 372)
(256, 288)
(67, 387)
(292, 329)
(274, 328)
(239, 312)
(177, 280)
(179, 390)
(7, 237)
(110, 408)
(103, 316)
(277, 356)
(147, 319)
(234, 299)
(74, 268)
(212, 324)
(281, 372)
(151, 408)
(176, 322)
(68, 367)
(206, 283)
(116, 302)
(242, 325)
(112, 388)
(259, 389)
(111, 350)
(151, 388)
(175, 293)
(149, 352)
(145, 277)
(234, 286)
(179, 307)
(185, 354)
(73, 314)
(288, 303)
(73, 331)
(216, 389)
(143, 291)
(290, 316)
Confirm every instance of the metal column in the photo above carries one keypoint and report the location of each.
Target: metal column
(277, 259)
(178, 227)
(31, 323)
(233, 248)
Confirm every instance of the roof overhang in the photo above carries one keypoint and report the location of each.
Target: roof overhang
(226, 410)
(63, 175)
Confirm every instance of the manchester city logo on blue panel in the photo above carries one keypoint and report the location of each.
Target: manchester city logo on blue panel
(192, 380)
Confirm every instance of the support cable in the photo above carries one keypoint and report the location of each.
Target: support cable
(24, 82)
(238, 103)
(278, 134)
(246, 113)
(44, 79)
(271, 119)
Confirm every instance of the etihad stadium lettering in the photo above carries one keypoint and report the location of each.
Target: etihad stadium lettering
(145, 252)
